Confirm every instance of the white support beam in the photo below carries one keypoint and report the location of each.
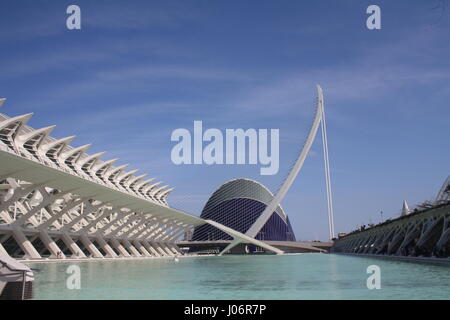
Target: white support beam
(158, 248)
(25, 244)
(276, 200)
(90, 246)
(105, 247)
(119, 247)
(51, 246)
(149, 248)
(131, 248)
(141, 248)
(73, 247)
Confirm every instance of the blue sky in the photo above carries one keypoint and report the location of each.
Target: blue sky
(137, 70)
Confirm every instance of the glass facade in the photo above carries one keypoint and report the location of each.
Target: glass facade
(237, 204)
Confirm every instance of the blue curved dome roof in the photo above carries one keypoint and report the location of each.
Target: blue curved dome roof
(237, 204)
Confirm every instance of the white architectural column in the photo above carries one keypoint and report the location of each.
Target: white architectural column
(71, 244)
(149, 248)
(125, 243)
(158, 248)
(76, 251)
(90, 246)
(131, 248)
(73, 247)
(166, 249)
(119, 247)
(141, 248)
(101, 242)
(172, 248)
(160, 239)
(105, 247)
(25, 244)
(167, 240)
(50, 244)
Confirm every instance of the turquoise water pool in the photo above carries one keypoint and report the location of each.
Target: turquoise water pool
(306, 276)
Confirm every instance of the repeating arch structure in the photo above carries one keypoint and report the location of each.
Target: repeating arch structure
(423, 233)
(415, 233)
(56, 201)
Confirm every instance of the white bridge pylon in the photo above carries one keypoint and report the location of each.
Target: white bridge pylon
(266, 214)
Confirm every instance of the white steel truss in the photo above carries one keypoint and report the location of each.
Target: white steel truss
(58, 201)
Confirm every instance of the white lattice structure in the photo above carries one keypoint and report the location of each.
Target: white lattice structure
(57, 200)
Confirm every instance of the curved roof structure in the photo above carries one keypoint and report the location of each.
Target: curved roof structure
(237, 204)
(243, 188)
(40, 145)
